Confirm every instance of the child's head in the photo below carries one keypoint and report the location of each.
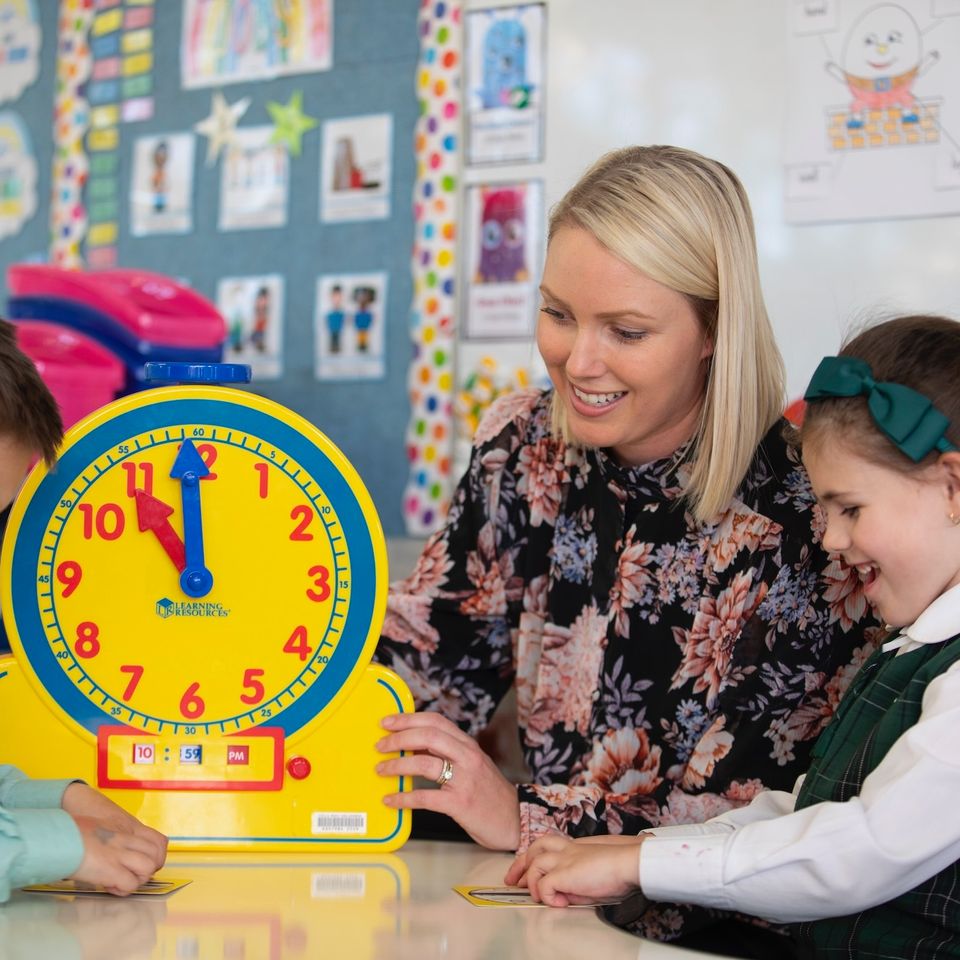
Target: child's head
(881, 441)
(30, 423)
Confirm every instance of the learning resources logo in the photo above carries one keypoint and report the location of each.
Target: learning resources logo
(166, 608)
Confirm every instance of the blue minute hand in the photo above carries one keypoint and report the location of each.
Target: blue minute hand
(196, 580)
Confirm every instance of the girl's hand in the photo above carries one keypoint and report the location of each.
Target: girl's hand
(80, 800)
(120, 862)
(559, 871)
(476, 795)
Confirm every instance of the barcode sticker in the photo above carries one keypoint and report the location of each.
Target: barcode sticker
(340, 823)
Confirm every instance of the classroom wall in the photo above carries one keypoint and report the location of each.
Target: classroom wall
(711, 76)
(715, 77)
(375, 50)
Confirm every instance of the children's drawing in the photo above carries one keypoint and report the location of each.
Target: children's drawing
(505, 65)
(158, 177)
(227, 41)
(505, 79)
(504, 239)
(503, 235)
(873, 125)
(882, 57)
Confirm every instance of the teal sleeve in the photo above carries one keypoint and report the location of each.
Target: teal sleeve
(37, 846)
(18, 791)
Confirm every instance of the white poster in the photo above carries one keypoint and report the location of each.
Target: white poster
(20, 38)
(873, 110)
(18, 175)
(161, 188)
(505, 83)
(254, 181)
(349, 332)
(504, 224)
(253, 309)
(356, 168)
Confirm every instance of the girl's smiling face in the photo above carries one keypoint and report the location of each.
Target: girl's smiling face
(627, 355)
(893, 528)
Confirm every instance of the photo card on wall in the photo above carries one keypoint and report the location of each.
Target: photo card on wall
(356, 168)
(349, 333)
(161, 188)
(252, 307)
(254, 181)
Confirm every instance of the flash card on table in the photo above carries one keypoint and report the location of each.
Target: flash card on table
(497, 896)
(156, 887)
(507, 897)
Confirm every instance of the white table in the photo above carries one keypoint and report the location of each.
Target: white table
(394, 906)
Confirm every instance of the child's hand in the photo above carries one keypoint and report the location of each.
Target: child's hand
(79, 800)
(118, 861)
(559, 871)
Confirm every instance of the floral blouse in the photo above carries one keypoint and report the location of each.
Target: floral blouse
(666, 670)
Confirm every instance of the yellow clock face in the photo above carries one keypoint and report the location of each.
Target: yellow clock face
(200, 561)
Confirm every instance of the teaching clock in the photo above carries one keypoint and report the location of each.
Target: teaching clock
(195, 591)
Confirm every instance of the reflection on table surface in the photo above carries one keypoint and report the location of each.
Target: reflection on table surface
(247, 907)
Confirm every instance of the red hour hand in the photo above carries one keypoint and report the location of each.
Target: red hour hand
(153, 514)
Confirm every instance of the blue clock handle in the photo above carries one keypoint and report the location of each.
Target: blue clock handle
(195, 580)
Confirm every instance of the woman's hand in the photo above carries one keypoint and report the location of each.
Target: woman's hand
(476, 794)
(559, 871)
(82, 801)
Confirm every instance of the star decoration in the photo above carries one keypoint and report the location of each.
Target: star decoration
(220, 127)
(290, 122)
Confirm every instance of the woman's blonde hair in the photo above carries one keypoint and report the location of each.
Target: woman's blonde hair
(684, 220)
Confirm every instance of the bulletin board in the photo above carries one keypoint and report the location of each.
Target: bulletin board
(198, 231)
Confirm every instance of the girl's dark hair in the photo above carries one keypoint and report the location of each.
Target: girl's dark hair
(28, 411)
(920, 352)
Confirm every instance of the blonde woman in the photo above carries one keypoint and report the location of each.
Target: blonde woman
(635, 549)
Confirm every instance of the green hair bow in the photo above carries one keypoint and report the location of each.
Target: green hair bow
(909, 419)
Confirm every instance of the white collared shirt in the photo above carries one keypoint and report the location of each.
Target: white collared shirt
(832, 859)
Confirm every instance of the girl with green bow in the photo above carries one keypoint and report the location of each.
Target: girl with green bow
(863, 857)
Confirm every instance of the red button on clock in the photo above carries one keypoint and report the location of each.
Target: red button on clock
(298, 768)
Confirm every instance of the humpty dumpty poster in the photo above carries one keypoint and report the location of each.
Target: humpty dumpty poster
(873, 110)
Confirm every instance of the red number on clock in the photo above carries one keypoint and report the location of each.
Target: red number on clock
(131, 470)
(251, 683)
(321, 581)
(108, 521)
(136, 672)
(88, 640)
(298, 643)
(69, 573)
(262, 469)
(208, 454)
(305, 515)
(192, 705)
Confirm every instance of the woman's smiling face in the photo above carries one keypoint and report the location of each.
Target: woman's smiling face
(627, 355)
